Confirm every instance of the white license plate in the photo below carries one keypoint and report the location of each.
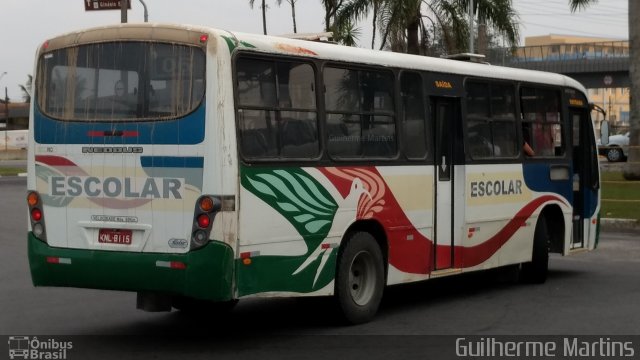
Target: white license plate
(115, 236)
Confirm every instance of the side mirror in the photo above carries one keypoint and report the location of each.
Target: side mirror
(604, 132)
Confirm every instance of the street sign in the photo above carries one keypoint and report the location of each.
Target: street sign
(90, 5)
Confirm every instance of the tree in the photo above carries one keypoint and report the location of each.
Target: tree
(346, 34)
(264, 14)
(356, 10)
(293, 12)
(26, 89)
(402, 23)
(331, 8)
(632, 167)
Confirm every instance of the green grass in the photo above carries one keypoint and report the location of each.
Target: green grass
(615, 187)
(11, 171)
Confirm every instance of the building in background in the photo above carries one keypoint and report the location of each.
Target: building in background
(614, 100)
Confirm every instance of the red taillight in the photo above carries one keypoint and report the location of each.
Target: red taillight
(36, 214)
(203, 221)
(45, 45)
(204, 38)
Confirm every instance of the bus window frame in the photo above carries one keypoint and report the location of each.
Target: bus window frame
(428, 121)
(469, 159)
(147, 119)
(395, 94)
(563, 123)
(275, 58)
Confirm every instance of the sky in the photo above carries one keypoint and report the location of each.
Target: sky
(25, 24)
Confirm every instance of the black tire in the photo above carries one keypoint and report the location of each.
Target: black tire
(615, 154)
(535, 272)
(359, 278)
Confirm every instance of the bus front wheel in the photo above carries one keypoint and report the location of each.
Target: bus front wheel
(359, 280)
(535, 272)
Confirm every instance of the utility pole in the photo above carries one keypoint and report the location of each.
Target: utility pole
(6, 119)
(123, 11)
(146, 13)
(471, 35)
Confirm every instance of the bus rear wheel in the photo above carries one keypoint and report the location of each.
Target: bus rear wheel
(535, 272)
(360, 278)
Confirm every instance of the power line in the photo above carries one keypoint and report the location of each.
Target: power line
(571, 30)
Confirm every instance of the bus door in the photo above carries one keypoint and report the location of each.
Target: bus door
(445, 115)
(583, 174)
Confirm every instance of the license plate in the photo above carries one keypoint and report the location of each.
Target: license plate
(115, 236)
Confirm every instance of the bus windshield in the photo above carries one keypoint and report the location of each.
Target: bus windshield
(121, 81)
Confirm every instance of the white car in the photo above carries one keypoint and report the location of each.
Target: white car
(617, 149)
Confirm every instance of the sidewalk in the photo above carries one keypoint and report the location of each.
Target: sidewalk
(619, 225)
(13, 154)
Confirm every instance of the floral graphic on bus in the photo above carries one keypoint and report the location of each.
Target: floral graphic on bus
(303, 202)
(311, 209)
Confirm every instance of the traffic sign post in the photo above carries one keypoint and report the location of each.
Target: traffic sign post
(91, 5)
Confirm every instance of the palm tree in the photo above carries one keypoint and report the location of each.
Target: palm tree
(264, 14)
(293, 12)
(356, 10)
(26, 89)
(331, 8)
(346, 34)
(581, 4)
(403, 21)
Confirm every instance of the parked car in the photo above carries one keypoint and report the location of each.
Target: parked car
(617, 149)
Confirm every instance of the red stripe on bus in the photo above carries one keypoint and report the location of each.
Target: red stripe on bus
(53, 160)
(115, 133)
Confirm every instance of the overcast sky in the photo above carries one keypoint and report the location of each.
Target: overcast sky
(24, 24)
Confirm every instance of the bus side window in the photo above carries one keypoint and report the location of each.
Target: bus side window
(541, 122)
(360, 113)
(277, 112)
(414, 120)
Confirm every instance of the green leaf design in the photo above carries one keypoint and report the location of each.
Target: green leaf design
(298, 197)
(233, 42)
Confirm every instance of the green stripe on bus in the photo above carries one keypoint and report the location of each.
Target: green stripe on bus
(208, 275)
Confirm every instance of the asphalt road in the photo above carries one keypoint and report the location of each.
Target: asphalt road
(594, 293)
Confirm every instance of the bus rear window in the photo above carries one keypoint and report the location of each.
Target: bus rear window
(121, 81)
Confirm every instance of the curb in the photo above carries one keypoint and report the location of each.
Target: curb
(619, 225)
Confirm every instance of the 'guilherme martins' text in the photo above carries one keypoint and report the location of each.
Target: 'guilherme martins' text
(573, 347)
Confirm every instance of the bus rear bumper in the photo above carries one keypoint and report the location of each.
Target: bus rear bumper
(206, 273)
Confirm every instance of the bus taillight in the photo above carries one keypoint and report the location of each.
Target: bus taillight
(36, 215)
(205, 213)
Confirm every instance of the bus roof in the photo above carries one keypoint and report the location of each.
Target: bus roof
(289, 46)
(331, 51)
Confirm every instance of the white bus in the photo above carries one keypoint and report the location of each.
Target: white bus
(197, 166)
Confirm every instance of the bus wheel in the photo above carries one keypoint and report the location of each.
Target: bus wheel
(535, 272)
(360, 278)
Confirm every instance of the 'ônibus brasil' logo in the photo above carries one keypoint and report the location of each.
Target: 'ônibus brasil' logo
(25, 347)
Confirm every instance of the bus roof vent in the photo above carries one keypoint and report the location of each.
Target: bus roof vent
(319, 37)
(468, 57)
